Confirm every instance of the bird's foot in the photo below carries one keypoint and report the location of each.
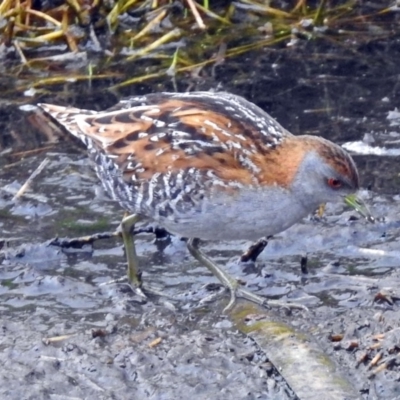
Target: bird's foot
(237, 291)
(136, 288)
(231, 284)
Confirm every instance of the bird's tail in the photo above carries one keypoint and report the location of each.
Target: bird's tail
(68, 117)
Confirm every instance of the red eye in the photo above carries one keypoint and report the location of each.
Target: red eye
(334, 183)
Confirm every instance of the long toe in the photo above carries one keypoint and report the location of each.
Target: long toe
(232, 300)
(262, 301)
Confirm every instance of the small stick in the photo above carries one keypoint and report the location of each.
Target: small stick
(157, 19)
(45, 16)
(14, 164)
(30, 152)
(211, 14)
(362, 358)
(35, 173)
(385, 365)
(156, 44)
(196, 14)
(155, 342)
(20, 52)
(56, 339)
(379, 336)
(375, 360)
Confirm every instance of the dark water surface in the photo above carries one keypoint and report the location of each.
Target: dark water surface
(352, 287)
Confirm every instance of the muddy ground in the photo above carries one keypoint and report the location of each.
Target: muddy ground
(68, 334)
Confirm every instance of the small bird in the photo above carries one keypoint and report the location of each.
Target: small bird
(209, 166)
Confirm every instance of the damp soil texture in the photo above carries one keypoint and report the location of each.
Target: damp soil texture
(69, 332)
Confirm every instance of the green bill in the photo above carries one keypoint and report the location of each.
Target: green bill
(354, 202)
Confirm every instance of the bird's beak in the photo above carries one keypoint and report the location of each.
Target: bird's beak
(354, 202)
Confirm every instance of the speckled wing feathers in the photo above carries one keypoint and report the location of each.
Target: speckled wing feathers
(201, 131)
(172, 148)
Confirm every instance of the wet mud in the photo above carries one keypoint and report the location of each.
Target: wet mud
(68, 333)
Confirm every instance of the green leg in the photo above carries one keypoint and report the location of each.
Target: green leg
(230, 283)
(127, 225)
